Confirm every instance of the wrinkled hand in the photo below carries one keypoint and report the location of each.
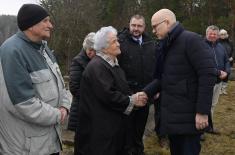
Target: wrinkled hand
(64, 114)
(201, 121)
(140, 99)
(223, 75)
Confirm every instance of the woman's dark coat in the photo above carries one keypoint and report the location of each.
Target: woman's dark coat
(104, 98)
(77, 67)
(228, 45)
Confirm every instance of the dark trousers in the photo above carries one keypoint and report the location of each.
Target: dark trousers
(157, 117)
(185, 144)
(75, 149)
(135, 130)
(55, 153)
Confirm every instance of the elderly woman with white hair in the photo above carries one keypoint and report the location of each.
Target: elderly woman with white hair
(104, 101)
(228, 45)
(77, 67)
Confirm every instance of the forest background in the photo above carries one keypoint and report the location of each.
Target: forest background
(73, 19)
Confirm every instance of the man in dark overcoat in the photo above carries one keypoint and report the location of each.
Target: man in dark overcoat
(185, 78)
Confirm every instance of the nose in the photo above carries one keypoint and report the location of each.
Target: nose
(118, 44)
(135, 27)
(50, 25)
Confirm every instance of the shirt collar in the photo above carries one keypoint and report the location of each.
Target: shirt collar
(108, 59)
(139, 40)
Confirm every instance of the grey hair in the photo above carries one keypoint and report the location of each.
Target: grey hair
(88, 42)
(213, 28)
(101, 37)
(223, 31)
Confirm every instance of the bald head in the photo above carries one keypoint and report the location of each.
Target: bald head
(162, 21)
(165, 14)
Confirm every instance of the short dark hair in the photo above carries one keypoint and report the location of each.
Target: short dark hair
(137, 16)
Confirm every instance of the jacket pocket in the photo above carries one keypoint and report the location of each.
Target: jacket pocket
(36, 142)
(44, 85)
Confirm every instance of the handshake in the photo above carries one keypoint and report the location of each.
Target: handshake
(139, 99)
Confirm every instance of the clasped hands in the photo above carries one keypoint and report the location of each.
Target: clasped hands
(223, 75)
(140, 99)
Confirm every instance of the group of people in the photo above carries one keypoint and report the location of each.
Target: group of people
(113, 80)
(137, 60)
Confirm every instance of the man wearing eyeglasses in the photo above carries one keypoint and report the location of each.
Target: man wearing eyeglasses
(137, 59)
(185, 76)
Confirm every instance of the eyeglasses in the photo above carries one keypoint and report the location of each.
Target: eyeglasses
(155, 26)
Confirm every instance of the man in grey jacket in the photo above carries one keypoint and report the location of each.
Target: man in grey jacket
(34, 101)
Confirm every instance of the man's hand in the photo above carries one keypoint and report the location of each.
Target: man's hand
(140, 99)
(64, 114)
(223, 75)
(201, 121)
(230, 59)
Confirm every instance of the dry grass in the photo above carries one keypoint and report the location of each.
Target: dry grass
(224, 121)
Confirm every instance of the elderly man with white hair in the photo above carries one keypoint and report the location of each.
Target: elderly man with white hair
(228, 45)
(104, 100)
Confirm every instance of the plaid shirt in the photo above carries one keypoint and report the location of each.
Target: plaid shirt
(108, 59)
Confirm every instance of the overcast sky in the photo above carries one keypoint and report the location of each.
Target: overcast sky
(11, 7)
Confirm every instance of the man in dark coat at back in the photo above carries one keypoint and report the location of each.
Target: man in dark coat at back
(185, 76)
(137, 59)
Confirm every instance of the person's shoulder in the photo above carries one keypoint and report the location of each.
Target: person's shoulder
(81, 59)
(95, 66)
(10, 42)
(149, 40)
(11, 46)
(123, 34)
(147, 37)
(95, 62)
(221, 47)
(192, 34)
(193, 37)
(79, 56)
